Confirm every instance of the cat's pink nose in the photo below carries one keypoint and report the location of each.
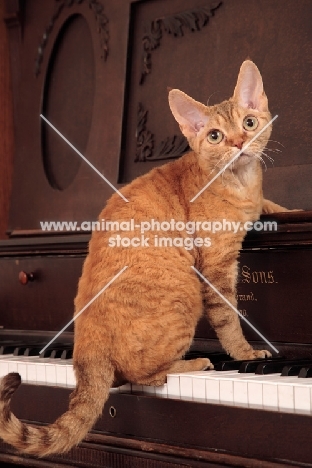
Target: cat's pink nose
(238, 143)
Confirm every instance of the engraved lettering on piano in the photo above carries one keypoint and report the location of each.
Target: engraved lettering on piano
(246, 297)
(253, 276)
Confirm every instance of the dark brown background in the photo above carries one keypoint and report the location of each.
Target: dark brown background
(6, 126)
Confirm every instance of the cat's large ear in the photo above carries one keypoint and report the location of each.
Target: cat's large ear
(249, 88)
(189, 113)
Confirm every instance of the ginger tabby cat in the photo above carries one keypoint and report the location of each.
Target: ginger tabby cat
(139, 329)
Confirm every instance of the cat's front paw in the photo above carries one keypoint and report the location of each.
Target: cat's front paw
(261, 353)
(208, 365)
(253, 354)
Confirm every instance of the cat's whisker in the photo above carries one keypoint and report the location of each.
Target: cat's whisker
(278, 142)
(262, 161)
(275, 150)
(268, 157)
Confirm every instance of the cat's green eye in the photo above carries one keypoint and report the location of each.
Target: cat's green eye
(250, 123)
(214, 137)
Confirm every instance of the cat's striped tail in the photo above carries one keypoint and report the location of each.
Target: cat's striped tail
(86, 404)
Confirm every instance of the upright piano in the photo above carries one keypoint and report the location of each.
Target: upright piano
(99, 71)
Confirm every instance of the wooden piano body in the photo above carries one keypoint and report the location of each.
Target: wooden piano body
(99, 70)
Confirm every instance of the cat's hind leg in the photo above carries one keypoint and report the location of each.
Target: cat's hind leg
(159, 378)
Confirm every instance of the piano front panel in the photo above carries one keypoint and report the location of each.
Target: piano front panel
(37, 290)
(274, 294)
(194, 434)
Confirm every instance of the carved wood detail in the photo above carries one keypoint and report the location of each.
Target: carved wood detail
(194, 20)
(170, 148)
(100, 17)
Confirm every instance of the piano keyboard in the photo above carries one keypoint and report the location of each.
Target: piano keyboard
(35, 370)
(228, 387)
(266, 392)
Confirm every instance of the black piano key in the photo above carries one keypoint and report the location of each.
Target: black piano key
(46, 353)
(247, 367)
(292, 370)
(32, 351)
(277, 366)
(67, 354)
(62, 353)
(232, 365)
(58, 352)
(19, 350)
(305, 372)
(7, 349)
(27, 350)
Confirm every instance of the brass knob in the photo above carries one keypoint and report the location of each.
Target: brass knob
(25, 277)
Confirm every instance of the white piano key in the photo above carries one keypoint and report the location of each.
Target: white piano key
(212, 391)
(294, 395)
(199, 388)
(226, 391)
(186, 386)
(61, 374)
(4, 367)
(26, 367)
(262, 390)
(286, 397)
(13, 366)
(248, 389)
(240, 393)
(302, 397)
(40, 371)
(255, 399)
(260, 393)
(173, 385)
(22, 370)
(71, 378)
(50, 371)
(270, 396)
(31, 372)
